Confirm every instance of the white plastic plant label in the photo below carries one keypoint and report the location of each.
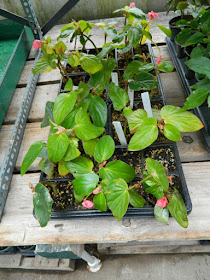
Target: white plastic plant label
(120, 132)
(147, 103)
(114, 76)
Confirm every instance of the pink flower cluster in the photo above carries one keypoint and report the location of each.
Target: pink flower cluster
(87, 204)
(158, 60)
(162, 202)
(152, 15)
(37, 44)
(132, 5)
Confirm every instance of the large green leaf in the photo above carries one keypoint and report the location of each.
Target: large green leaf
(118, 96)
(62, 168)
(137, 13)
(143, 80)
(164, 29)
(117, 197)
(146, 134)
(134, 35)
(161, 214)
(48, 114)
(171, 132)
(203, 84)
(158, 173)
(152, 186)
(131, 69)
(105, 51)
(98, 111)
(117, 169)
(136, 118)
(42, 204)
(67, 30)
(165, 67)
(183, 35)
(90, 146)
(100, 202)
(31, 155)
(85, 91)
(90, 63)
(45, 64)
(85, 184)
(64, 103)
(182, 120)
(57, 145)
(104, 149)
(194, 39)
(177, 209)
(196, 98)
(84, 129)
(47, 167)
(200, 65)
(135, 199)
(72, 151)
(79, 166)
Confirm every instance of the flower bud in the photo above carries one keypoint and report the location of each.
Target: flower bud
(162, 202)
(37, 44)
(152, 15)
(87, 204)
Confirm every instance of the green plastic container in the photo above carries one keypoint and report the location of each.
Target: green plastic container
(15, 44)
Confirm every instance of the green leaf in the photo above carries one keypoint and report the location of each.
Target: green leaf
(117, 169)
(194, 39)
(183, 35)
(90, 63)
(57, 145)
(48, 114)
(64, 103)
(182, 5)
(69, 85)
(136, 12)
(182, 120)
(62, 168)
(60, 45)
(136, 118)
(135, 199)
(89, 146)
(47, 167)
(104, 149)
(158, 173)
(164, 29)
(200, 65)
(100, 202)
(142, 81)
(45, 64)
(127, 111)
(106, 50)
(118, 96)
(165, 67)
(134, 35)
(161, 214)
(146, 134)
(98, 111)
(79, 166)
(117, 197)
(84, 129)
(85, 184)
(151, 186)
(67, 30)
(203, 84)
(131, 69)
(72, 151)
(127, 48)
(78, 198)
(42, 204)
(177, 209)
(208, 100)
(73, 60)
(171, 132)
(196, 98)
(85, 90)
(31, 155)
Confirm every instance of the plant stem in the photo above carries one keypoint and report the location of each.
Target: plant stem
(142, 181)
(64, 70)
(153, 85)
(92, 43)
(125, 126)
(55, 189)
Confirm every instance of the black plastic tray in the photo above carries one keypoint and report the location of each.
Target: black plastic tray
(202, 111)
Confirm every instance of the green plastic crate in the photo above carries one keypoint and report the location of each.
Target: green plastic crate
(15, 44)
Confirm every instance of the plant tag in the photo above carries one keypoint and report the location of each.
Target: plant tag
(75, 87)
(114, 76)
(131, 96)
(120, 132)
(147, 103)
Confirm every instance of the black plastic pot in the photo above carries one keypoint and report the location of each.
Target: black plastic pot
(202, 112)
(180, 50)
(172, 25)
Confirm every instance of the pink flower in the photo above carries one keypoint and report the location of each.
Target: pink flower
(97, 190)
(68, 53)
(162, 202)
(152, 15)
(87, 204)
(37, 44)
(158, 60)
(132, 5)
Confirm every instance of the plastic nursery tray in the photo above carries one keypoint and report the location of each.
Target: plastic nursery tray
(202, 111)
(148, 209)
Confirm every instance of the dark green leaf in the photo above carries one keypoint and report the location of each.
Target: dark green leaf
(134, 35)
(31, 155)
(42, 204)
(177, 209)
(47, 167)
(131, 69)
(98, 111)
(48, 114)
(194, 39)
(79, 166)
(117, 169)
(171, 132)
(85, 184)
(57, 145)
(161, 214)
(143, 81)
(100, 202)
(135, 199)
(118, 96)
(203, 84)
(196, 98)
(89, 146)
(200, 65)
(117, 197)
(183, 35)
(104, 149)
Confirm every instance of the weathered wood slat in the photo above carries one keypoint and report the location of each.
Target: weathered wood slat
(18, 220)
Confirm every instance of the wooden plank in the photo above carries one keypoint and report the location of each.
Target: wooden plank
(43, 94)
(18, 220)
(163, 51)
